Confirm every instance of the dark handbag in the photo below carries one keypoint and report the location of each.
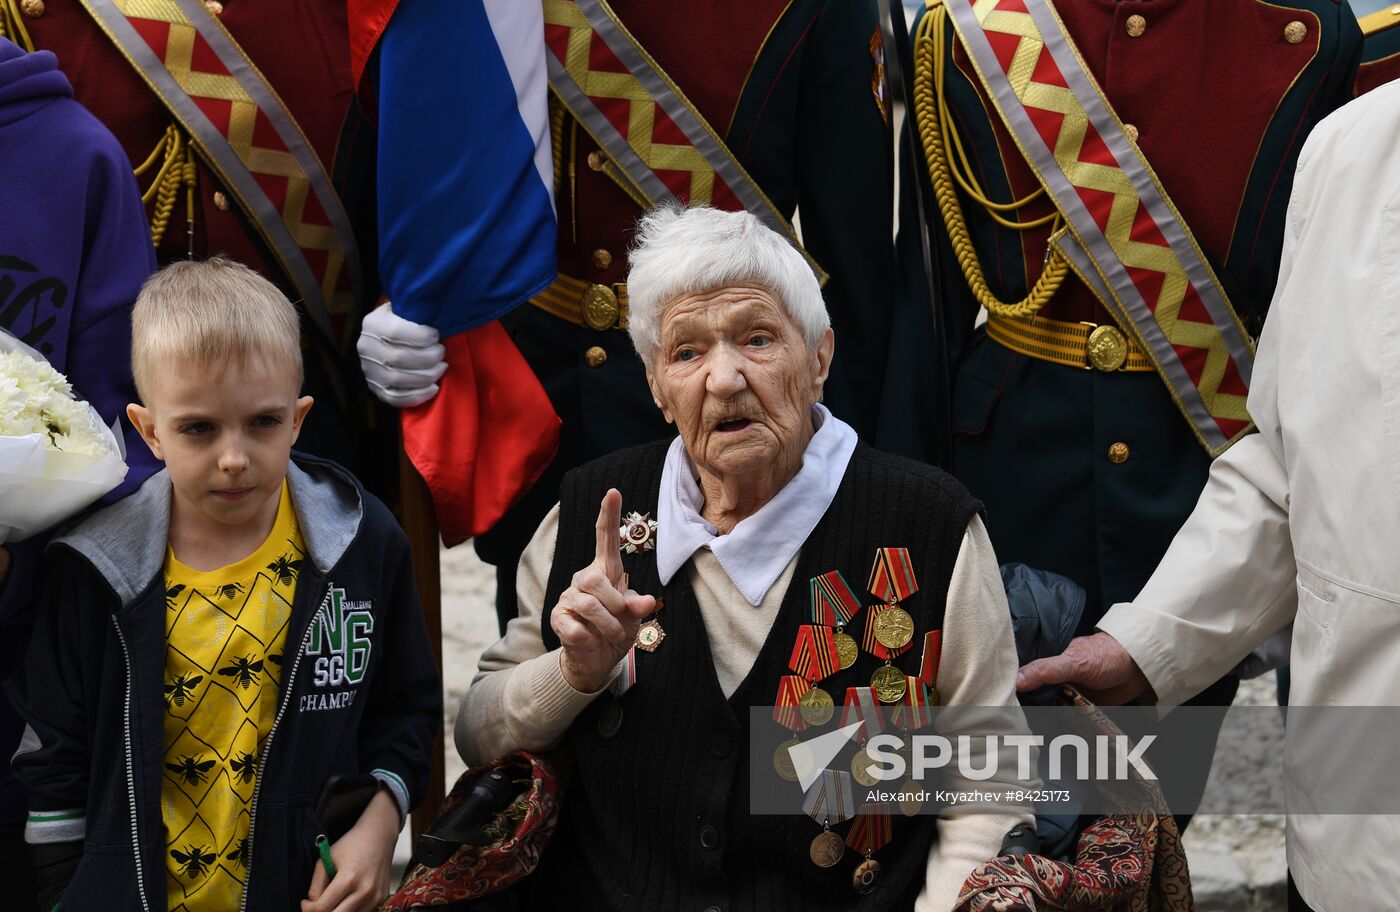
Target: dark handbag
(491, 848)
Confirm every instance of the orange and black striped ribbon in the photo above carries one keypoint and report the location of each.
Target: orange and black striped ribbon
(834, 602)
(915, 711)
(874, 646)
(814, 654)
(928, 664)
(870, 832)
(892, 578)
(831, 798)
(790, 690)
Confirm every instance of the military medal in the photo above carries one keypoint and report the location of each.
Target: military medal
(909, 803)
(894, 628)
(888, 683)
(814, 655)
(866, 877)
(834, 603)
(874, 626)
(650, 635)
(783, 759)
(871, 832)
(892, 578)
(928, 662)
(827, 849)
(846, 649)
(863, 768)
(626, 674)
(829, 800)
(916, 707)
(860, 706)
(816, 706)
(638, 532)
(791, 689)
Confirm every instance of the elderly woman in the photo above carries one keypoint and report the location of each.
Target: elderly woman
(641, 648)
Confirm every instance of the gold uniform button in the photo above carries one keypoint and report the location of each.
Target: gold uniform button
(1136, 25)
(220, 201)
(601, 258)
(595, 356)
(32, 8)
(1131, 132)
(596, 160)
(1118, 453)
(214, 7)
(1294, 32)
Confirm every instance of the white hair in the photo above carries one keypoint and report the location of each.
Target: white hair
(681, 252)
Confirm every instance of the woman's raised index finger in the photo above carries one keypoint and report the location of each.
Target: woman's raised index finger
(609, 534)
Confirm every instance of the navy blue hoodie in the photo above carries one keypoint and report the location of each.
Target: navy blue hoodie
(74, 250)
(92, 692)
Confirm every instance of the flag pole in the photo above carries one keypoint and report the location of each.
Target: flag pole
(420, 525)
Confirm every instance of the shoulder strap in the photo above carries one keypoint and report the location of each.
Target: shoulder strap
(1123, 235)
(668, 151)
(217, 94)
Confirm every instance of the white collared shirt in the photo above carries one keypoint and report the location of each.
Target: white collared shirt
(761, 546)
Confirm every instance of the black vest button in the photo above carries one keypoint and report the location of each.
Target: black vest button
(713, 909)
(721, 746)
(610, 718)
(709, 837)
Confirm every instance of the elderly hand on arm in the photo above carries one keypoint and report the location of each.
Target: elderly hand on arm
(597, 617)
(1100, 667)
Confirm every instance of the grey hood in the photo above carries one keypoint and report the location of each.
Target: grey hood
(126, 542)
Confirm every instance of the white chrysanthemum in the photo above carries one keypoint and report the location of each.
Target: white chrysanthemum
(36, 399)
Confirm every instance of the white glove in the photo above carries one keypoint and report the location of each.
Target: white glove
(401, 360)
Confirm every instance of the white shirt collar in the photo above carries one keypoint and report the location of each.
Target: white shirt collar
(755, 553)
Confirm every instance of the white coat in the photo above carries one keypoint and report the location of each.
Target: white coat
(1300, 523)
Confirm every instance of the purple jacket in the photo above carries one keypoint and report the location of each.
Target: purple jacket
(74, 250)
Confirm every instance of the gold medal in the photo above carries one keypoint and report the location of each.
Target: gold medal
(889, 684)
(816, 707)
(866, 877)
(909, 804)
(863, 768)
(894, 628)
(827, 849)
(847, 651)
(782, 759)
(650, 635)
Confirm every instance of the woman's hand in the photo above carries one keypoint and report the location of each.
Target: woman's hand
(597, 617)
(362, 859)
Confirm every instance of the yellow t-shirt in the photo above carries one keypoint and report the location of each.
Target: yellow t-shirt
(225, 631)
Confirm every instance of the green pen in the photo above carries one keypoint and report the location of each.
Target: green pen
(323, 846)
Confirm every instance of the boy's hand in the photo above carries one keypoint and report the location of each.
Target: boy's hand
(362, 859)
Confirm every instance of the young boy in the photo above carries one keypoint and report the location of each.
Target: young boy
(216, 647)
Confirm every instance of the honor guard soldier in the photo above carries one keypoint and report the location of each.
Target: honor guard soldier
(1119, 215)
(765, 105)
(244, 160)
(1380, 58)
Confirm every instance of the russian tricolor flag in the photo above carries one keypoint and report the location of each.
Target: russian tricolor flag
(466, 232)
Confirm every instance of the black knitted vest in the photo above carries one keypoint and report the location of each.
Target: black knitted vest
(656, 816)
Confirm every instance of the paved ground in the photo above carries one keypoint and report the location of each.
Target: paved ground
(1236, 861)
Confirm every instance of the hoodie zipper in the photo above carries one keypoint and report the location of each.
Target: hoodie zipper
(131, 770)
(272, 732)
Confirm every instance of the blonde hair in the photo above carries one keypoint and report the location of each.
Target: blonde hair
(211, 312)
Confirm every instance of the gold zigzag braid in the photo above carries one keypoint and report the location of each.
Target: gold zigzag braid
(1115, 181)
(930, 115)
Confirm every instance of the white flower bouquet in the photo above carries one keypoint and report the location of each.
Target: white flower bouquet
(56, 455)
